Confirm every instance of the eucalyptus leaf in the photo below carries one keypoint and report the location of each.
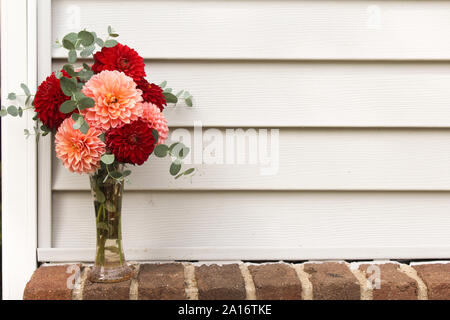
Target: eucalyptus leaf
(100, 195)
(72, 37)
(173, 145)
(189, 171)
(86, 103)
(72, 56)
(67, 44)
(3, 112)
(25, 89)
(87, 51)
(161, 150)
(107, 158)
(78, 123)
(189, 101)
(58, 74)
(175, 167)
(116, 175)
(100, 42)
(86, 38)
(20, 111)
(126, 173)
(68, 106)
(69, 69)
(170, 98)
(163, 84)
(110, 43)
(12, 96)
(68, 87)
(13, 111)
(84, 127)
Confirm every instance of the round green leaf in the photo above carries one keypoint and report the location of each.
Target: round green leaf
(68, 106)
(161, 150)
(13, 111)
(68, 86)
(67, 44)
(84, 127)
(86, 38)
(12, 96)
(170, 98)
(175, 167)
(3, 112)
(100, 195)
(86, 102)
(110, 43)
(189, 101)
(72, 56)
(107, 158)
(72, 37)
(126, 173)
(116, 175)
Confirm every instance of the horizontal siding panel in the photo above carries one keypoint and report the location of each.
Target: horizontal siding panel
(311, 159)
(266, 29)
(299, 94)
(302, 220)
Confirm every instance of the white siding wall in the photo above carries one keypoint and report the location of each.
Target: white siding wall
(360, 92)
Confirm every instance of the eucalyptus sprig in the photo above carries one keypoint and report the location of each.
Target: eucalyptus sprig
(85, 43)
(177, 152)
(175, 98)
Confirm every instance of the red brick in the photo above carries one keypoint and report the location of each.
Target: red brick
(333, 281)
(220, 282)
(161, 282)
(51, 283)
(276, 282)
(394, 284)
(106, 291)
(436, 277)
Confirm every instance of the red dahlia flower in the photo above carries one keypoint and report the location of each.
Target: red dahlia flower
(47, 101)
(152, 93)
(120, 58)
(132, 143)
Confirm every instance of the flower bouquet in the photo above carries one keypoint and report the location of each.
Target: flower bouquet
(105, 116)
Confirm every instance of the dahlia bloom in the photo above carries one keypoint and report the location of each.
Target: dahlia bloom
(155, 118)
(152, 93)
(47, 101)
(121, 58)
(132, 143)
(79, 152)
(117, 100)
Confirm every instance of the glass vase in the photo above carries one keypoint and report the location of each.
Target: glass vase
(110, 264)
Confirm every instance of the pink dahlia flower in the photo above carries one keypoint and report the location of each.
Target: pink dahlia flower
(117, 100)
(79, 152)
(156, 120)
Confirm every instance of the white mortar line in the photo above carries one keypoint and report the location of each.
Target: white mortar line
(250, 290)
(307, 287)
(422, 291)
(134, 285)
(364, 283)
(190, 283)
(77, 293)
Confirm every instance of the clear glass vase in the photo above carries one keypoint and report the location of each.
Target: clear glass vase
(110, 264)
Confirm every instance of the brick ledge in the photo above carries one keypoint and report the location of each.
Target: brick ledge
(238, 281)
